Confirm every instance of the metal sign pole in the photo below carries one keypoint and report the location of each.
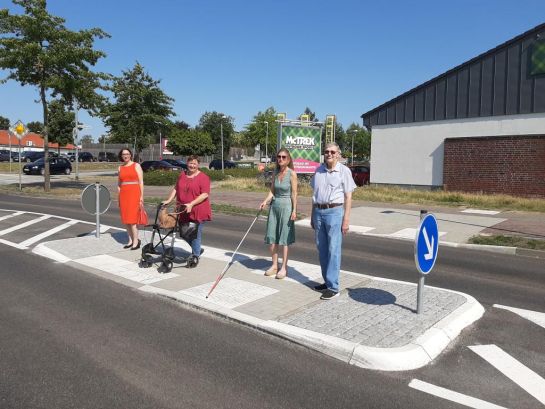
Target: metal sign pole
(20, 168)
(97, 190)
(421, 279)
(10, 158)
(76, 139)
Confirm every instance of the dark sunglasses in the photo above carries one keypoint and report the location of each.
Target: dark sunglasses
(281, 156)
(330, 152)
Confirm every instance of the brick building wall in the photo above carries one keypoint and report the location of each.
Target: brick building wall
(513, 165)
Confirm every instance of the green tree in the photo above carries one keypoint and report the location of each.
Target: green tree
(191, 142)
(311, 114)
(61, 123)
(86, 140)
(4, 123)
(212, 123)
(140, 108)
(35, 126)
(362, 142)
(37, 49)
(256, 132)
(181, 125)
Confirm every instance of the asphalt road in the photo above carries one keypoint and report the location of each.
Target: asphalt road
(71, 339)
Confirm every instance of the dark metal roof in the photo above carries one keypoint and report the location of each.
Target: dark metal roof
(496, 82)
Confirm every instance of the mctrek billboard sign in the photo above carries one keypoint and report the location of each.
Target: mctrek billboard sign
(304, 144)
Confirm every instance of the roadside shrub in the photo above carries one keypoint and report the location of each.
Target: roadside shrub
(239, 173)
(160, 178)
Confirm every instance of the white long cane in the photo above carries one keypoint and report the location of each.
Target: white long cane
(233, 256)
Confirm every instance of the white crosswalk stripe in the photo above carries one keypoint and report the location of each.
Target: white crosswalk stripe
(47, 233)
(534, 316)
(23, 225)
(9, 216)
(513, 369)
(447, 394)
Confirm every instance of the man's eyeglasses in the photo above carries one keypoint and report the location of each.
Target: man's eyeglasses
(330, 152)
(281, 156)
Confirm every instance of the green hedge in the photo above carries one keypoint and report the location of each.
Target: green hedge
(161, 178)
(244, 173)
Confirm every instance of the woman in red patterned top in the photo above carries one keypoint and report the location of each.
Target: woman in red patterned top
(192, 193)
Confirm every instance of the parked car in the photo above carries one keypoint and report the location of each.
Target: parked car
(86, 157)
(31, 156)
(265, 159)
(360, 174)
(176, 162)
(71, 156)
(216, 164)
(56, 165)
(107, 157)
(150, 165)
(7, 155)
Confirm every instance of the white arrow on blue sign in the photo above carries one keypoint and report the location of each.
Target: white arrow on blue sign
(426, 244)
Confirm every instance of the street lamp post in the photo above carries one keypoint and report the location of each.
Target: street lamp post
(75, 136)
(160, 140)
(221, 134)
(353, 131)
(266, 142)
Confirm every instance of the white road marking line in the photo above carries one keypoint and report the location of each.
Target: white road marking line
(23, 225)
(353, 228)
(534, 316)
(408, 233)
(513, 369)
(447, 394)
(47, 233)
(479, 211)
(11, 244)
(9, 216)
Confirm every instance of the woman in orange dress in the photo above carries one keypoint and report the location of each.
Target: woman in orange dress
(130, 188)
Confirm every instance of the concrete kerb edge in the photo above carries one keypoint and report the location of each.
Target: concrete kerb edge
(202, 305)
(426, 347)
(411, 356)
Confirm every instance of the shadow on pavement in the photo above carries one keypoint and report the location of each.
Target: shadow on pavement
(374, 296)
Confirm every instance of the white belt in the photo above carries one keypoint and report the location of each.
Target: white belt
(129, 183)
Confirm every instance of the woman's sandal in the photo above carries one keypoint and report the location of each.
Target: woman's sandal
(271, 272)
(280, 276)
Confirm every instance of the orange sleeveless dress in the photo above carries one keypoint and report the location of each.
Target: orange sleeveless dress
(129, 194)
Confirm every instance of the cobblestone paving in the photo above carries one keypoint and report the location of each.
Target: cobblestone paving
(380, 314)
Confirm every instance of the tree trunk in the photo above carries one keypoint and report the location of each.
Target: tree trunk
(47, 182)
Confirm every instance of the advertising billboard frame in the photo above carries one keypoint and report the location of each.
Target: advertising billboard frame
(305, 146)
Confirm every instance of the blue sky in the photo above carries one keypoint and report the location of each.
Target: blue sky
(240, 57)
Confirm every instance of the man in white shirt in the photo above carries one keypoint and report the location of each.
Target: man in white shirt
(331, 202)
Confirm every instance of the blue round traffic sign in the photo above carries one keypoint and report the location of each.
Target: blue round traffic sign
(426, 244)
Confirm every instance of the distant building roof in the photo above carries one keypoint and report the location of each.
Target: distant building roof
(29, 140)
(497, 82)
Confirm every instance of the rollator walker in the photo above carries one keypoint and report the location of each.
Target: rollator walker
(165, 226)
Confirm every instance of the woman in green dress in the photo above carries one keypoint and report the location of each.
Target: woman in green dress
(282, 213)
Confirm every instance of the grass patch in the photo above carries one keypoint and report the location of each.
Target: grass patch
(219, 208)
(230, 209)
(83, 167)
(481, 201)
(38, 191)
(509, 241)
(407, 196)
